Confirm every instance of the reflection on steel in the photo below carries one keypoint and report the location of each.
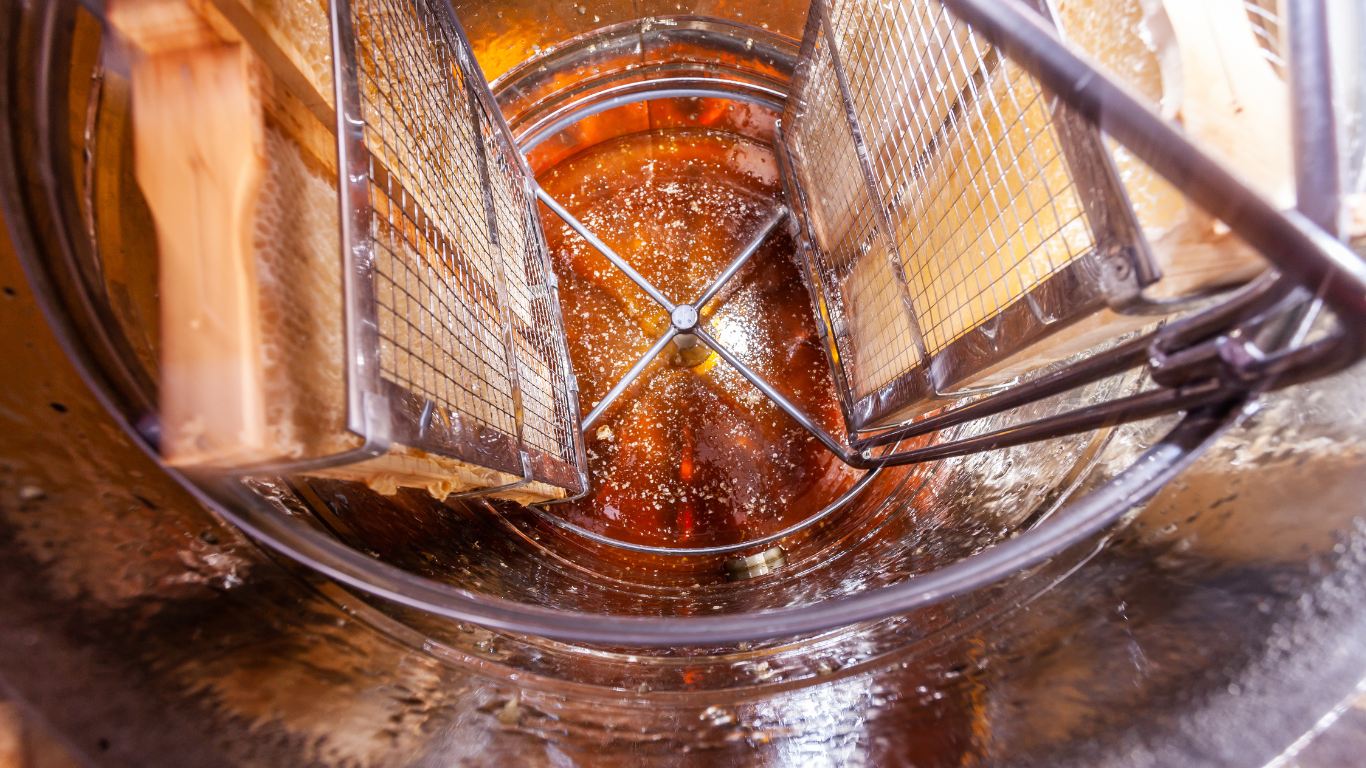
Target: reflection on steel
(753, 566)
(1073, 524)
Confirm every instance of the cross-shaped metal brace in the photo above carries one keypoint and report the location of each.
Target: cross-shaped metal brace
(685, 323)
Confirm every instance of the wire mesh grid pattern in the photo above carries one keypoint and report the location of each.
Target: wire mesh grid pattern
(464, 316)
(872, 325)
(548, 415)
(966, 159)
(440, 333)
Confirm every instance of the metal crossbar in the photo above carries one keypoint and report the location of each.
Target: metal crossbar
(1267, 296)
(683, 318)
(686, 319)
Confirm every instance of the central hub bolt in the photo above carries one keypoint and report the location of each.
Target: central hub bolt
(684, 318)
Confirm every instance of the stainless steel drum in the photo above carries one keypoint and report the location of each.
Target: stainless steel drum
(1145, 552)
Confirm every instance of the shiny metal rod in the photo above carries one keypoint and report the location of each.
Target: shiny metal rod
(602, 248)
(740, 260)
(634, 93)
(777, 397)
(630, 376)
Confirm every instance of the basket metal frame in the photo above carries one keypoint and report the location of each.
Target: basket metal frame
(379, 410)
(1214, 355)
(1113, 274)
(1208, 357)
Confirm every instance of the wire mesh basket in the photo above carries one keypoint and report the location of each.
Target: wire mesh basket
(955, 211)
(454, 340)
(953, 151)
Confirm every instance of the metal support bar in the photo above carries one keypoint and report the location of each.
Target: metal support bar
(1073, 524)
(1318, 184)
(1135, 408)
(1265, 292)
(630, 376)
(740, 261)
(777, 397)
(1108, 363)
(1313, 124)
(1144, 405)
(602, 248)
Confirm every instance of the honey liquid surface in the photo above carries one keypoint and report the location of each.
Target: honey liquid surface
(691, 454)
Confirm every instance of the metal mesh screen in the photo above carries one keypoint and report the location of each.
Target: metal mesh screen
(465, 320)
(873, 326)
(910, 134)
(440, 332)
(539, 348)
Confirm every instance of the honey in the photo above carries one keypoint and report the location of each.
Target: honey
(691, 454)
